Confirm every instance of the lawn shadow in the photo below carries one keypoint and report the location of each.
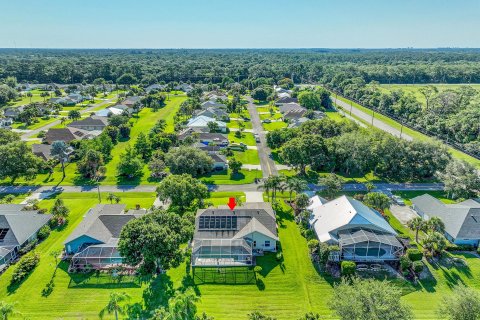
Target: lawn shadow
(158, 292)
(269, 261)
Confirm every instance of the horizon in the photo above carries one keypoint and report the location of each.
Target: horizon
(269, 24)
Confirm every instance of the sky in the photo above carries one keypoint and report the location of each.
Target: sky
(239, 23)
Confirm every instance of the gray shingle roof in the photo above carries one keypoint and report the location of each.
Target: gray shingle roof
(462, 220)
(260, 211)
(104, 222)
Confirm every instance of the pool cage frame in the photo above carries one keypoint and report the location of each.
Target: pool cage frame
(222, 253)
(97, 257)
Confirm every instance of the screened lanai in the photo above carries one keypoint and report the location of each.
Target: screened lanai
(103, 256)
(369, 245)
(221, 253)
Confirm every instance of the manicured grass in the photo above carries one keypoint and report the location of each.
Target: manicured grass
(225, 177)
(26, 100)
(237, 115)
(247, 157)
(412, 133)
(267, 109)
(222, 198)
(236, 124)
(18, 197)
(274, 125)
(414, 88)
(276, 116)
(408, 195)
(39, 122)
(335, 116)
(246, 138)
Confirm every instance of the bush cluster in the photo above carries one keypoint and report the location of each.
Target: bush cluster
(348, 268)
(25, 266)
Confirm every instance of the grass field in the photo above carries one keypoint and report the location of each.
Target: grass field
(235, 124)
(248, 156)
(274, 125)
(414, 134)
(246, 138)
(225, 177)
(414, 89)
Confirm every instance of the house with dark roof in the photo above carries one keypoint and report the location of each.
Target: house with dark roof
(462, 220)
(210, 138)
(94, 241)
(131, 101)
(212, 104)
(287, 107)
(93, 123)
(228, 238)
(219, 161)
(18, 227)
(214, 112)
(361, 233)
(158, 87)
(68, 134)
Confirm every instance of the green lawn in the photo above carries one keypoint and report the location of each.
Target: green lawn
(414, 88)
(26, 100)
(39, 122)
(247, 138)
(225, 177)
(267, 109)
(408, 195)
(414, 134)
(221, 198)
(274, 125)
(276, 116)
(235, 124)
(335, 116)
(248, 156)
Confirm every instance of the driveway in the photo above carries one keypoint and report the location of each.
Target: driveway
(402, 213)
(267, 164)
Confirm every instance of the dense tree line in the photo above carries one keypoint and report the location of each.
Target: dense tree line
(346, 148)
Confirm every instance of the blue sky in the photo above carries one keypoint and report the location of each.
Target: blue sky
(239, 23)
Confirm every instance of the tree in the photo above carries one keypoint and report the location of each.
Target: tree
(115, 304)
(435, 243)
(74, 115)
(182, 306)
(416, 224)
(377, 200)
(117, 120)
(17, 160)
(261, 93)
(155, 240)
(89, 164)
(188, 160)
(60, 151)
(304, 150)
(182, 191)
(112, 197)
(7, 136)
(273, 184)
(124, 131)
(157, 167)
(257, 315)
(311, 316)
(310, 100)
(461, 179)
(130, 165)
(332, 183)
(302, 201)
(369, 299)
(127, 79)
(212, 126)
(143, 147)
(428, 92)
(235, 165)
(7, 309)
(294, 184)
(462, 304)
(434, 224)
(60, 211)
(113, 132)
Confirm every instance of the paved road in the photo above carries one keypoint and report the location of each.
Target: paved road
(267, 164)
(28, 135)
(223, 187)
(368, 118)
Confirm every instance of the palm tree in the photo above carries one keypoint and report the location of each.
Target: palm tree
(30, 95)
(114, 304)
(435, 224)
(6, 310)
(296, 185)
(182, 306)
(60, 152)
(111, 197)
(416, 224)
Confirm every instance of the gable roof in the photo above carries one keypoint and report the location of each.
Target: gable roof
(90, 121)
(462, 220)
(104, 223)
(202, 121)
(345, 212)
(65, 134)
(43, 151)
(251, 217)
(22, 225)
(286, 107)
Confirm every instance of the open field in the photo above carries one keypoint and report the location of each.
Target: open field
(414, 89)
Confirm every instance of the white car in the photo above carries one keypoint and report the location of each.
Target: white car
(398, 200)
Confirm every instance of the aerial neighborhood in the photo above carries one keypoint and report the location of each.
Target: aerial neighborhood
(257, 184)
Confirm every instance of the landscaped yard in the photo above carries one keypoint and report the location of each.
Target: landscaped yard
(235, 124)
(247, 138)
(225, 177)
(248, 156)
(274, 125)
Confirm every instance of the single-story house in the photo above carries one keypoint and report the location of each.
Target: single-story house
(212, 104)
(158, 87)
(361, 232)
(213, 138)
(284, 100)
(208, 147)
(228, 238)
(283, 95)
(295, 123)
(92, 123)
(214, 112)
(201, 123)
(6, 122)
(68, 134)
(214, 96)
(462, 220)
(18, 227)
(131, 101)
(219, 160)
(185, 87)
(108, 112)
(44, 151)
(294, 114)
(287, 107)
(281, 90)
(13, 112)
(94, 242)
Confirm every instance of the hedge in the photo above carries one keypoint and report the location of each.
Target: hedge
(25, 266)
(418, 266)
(348, 268)
(414, 254)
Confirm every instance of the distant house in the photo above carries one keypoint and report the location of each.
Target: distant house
(283, 95)
(294, 114)
(44, 151)
(462, 220)
(131, 101)
(204, 137)
(214, 96)
(94, 123)
(208, 147)
(94, 242)
(201, 123)
(6, 122)
(217, 113)
(229, 238)
(219, 161)
(361, 233)
(287, 107)
(184, 87)
(211, 103)
(159, 87)
(18, 228)
(295, 123)
(68, 134)
(284, 100)
(107, 112)
(13, 112)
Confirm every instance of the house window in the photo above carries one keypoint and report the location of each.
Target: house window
(3, 233)
(254, 244)
(267, 243)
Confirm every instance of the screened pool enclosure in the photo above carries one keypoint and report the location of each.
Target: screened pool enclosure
(221, 253)
(96, 257)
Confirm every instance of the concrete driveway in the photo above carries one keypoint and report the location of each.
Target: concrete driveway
(402, 213)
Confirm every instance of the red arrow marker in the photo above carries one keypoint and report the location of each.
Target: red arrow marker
(231, 203)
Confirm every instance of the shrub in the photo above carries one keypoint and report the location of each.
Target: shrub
(348, 268)
(414, 254)
(44, 232)
(257, 270)
(279, 256)
(405, 263)
(418, 266)
(25, 266)
(312, 245)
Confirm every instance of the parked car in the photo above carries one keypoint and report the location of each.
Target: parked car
(398, 200)
(257, 138)
(267, 121)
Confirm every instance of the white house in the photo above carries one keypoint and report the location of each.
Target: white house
(361, 233)
(201, 123)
